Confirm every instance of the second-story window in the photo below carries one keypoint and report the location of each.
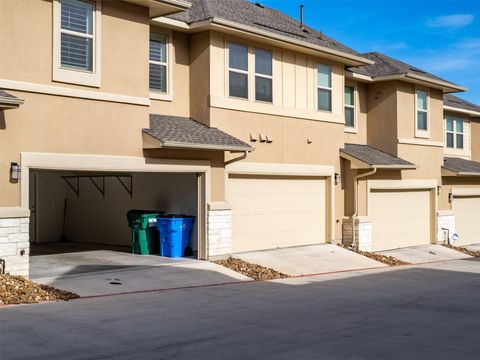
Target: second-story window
(422, 109)
(158, 64)
(77, 35)
(349, 106)
(454, 133)
(238, 71)
(324, 87)
(263, 75)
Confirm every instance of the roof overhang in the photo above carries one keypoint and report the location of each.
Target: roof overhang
(162, 7)
(448, 172)
(462, 111)
(252, 33)
(446, 87)
(151, 142)
(356, 163)
(10, 103)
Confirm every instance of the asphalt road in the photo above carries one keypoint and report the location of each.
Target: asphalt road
(415, 312)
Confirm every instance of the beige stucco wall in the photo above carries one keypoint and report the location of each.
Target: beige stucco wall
(428, 159)
(382, 116)
(124, 45)
(179, 105)
(200, 76)
(449, 182)
(406, 112)
(55, 124)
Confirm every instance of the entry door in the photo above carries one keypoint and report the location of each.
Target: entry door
(33, 199)
(274, 211)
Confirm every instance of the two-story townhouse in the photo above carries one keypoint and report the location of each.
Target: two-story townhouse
(405, 198)
(122, 106)
(269, 132)
(459, 202)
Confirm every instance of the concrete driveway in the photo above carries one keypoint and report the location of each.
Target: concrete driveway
(308, 260)
(425, 253)
(473, 247)
(101, 272)
(408, 312)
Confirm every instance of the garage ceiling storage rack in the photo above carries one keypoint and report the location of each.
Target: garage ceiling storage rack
(73, 181)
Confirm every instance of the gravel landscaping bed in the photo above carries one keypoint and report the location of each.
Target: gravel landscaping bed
(389, 260)
(463, 250)
(253, 271)
(18, 290)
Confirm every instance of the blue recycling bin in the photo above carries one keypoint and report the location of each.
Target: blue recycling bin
(174, 234)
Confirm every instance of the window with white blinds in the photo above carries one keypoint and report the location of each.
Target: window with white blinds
(158, 64)
(77, 34)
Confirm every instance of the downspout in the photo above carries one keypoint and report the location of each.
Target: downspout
(355, 203)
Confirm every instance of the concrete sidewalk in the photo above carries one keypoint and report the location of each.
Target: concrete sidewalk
(425, 253)
(307, 260)
(94, 273)
(473, 247)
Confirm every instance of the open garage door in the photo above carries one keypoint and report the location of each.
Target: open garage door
(467, 219)
(275, 211)
(400, 218)
(81, 211)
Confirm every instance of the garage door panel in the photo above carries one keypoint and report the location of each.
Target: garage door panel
(276, 212)
(467, 220)
(399, 218)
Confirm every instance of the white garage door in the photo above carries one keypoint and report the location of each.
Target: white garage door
(400, 218)
(271, 212)
(467, 219)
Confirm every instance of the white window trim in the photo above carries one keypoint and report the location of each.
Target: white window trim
(354, 128)
(158, 95)
(317, 86)
(455, 133)
(238, 71)
(251, 73)
(419, 132)
(73, 76)
(255, 74)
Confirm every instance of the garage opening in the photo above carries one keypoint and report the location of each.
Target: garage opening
(74, 211)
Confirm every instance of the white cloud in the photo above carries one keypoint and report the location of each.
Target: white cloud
(389, 45)
(471, 43)
(451, 21)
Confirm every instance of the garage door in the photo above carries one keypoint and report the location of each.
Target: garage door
(272, 212)
(399, 218)
(467, 219)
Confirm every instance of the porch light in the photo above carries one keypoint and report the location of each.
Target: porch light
(450, 197)
(337, 178)
(15, 171)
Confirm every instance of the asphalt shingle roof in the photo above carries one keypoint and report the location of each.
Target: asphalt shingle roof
(4, 94)
(461, 165)
(456, 102)
(385, 65)
(171, 130)
(8, 100)
(373, 156)
(260, 17)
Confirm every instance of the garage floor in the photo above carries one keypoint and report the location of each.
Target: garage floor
(425, 253)
(101, 272)
(308, 260)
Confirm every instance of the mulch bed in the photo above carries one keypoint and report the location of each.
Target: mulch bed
(18, 290)
(389, 260)
(463, 250)
(253, 271)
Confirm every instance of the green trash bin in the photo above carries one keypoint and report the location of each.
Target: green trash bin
(144, 231)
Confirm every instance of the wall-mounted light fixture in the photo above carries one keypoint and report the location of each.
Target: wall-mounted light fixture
(15, 171)
(450, 197)
(337, 178)
(439, 190)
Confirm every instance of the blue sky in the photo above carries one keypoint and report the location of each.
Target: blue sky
(442, 36)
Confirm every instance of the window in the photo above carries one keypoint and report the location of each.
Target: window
(158, 64)
(263, 75)
(422, 110)
(454, 133)
(324, 87)
(349, 106)
(76, 42)
(238, 71)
